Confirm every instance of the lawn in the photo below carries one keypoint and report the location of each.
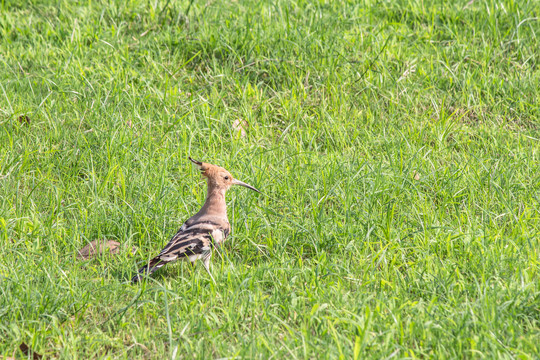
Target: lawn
(396, 145)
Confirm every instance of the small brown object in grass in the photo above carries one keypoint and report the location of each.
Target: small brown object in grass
(26, 350)
(240, 126)
(24, 119)
(98, 247)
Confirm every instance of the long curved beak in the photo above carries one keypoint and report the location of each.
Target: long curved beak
(241, 183)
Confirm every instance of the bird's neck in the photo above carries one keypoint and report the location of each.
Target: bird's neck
(215, 202)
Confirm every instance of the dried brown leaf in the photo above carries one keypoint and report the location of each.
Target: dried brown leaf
(240, 126)
(26, 350)
(98, 247)
(24, 119)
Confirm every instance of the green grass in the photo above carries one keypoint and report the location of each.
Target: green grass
(397, 144)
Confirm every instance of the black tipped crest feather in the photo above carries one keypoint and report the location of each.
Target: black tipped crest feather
(195, 161)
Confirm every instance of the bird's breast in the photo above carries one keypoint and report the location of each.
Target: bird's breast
(219, 236)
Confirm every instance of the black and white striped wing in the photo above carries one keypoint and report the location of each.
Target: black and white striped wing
(192, 240)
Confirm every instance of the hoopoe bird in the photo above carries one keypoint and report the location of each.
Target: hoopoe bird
(203, 231)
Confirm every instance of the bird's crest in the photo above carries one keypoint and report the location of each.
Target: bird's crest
(211, 171)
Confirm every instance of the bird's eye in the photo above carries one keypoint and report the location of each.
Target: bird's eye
(226, 178)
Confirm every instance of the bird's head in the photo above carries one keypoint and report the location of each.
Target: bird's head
(218, 177)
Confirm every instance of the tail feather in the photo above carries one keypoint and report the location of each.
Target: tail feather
(148, 269)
